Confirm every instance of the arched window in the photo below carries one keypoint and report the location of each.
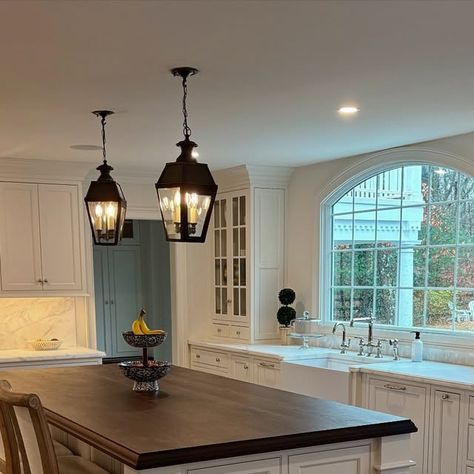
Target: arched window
(402, 249)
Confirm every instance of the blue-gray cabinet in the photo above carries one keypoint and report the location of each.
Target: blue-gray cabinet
(118, 296)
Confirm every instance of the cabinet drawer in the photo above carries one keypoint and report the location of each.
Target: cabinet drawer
(469, 470)
(220, 330)
(211, 358)
(239, 332)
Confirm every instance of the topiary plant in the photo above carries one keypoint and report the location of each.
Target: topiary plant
(286, 296)
(286, 314)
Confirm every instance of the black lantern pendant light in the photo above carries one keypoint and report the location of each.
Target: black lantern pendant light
(186, 190)
(105, 202)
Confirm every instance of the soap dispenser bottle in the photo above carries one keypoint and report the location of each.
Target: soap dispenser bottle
(417, 348)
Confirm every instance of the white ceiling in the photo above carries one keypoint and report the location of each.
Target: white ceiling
(272, 75)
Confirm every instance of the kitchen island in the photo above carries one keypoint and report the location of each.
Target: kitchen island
(202, 423)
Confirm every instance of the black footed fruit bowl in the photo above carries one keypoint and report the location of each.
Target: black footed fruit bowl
(143, 340)
(145, 378)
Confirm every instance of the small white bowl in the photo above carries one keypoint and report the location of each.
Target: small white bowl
(45, 345)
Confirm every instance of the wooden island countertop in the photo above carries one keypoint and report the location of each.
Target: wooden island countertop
(194, 417)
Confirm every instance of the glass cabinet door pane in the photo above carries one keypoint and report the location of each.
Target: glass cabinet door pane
(223, 213)
(223, 242)
(216, 214)
(235, 242)
(224, 272)
(224, 300)
(242, 242)
(218, 300)
(242, 272)
(236, 302)
(217, 272)
(235, 271)
(242, 210)
(243, 302)
(216, 243)
(235, 211)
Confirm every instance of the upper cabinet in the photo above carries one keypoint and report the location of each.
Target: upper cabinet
(248, 241)
(40, 238)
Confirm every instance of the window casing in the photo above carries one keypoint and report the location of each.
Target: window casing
(401, 247)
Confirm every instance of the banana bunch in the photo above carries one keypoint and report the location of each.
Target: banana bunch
(139, 326)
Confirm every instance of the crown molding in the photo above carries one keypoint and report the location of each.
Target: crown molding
(244, 176)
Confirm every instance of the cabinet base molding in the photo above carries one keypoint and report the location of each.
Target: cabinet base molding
(395, 467)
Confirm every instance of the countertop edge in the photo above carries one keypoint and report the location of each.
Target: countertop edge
(268, 445)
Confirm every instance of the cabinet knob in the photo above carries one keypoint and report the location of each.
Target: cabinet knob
(219, 330)
(198, 356)
(106, 302)
(217, 359)
(238, 333)
(40, 281)
(246, 367)
(445, 396)
(229, 301)
(45, 280)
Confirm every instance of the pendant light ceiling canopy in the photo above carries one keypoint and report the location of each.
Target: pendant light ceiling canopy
(186, 190)
(105, 203)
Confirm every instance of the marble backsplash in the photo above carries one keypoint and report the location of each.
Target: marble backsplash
(25, 319)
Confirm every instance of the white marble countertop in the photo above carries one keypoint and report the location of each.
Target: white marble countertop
(425, 372)
(17, 355)
(274, 351)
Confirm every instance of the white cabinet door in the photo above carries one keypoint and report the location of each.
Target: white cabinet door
(241, 369)
(403, 400)
(266, 373)
(264, 466)
(354, 460)
(20, 248)
(60, 237)
(444, 445)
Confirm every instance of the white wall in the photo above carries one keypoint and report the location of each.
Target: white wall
(310, 185)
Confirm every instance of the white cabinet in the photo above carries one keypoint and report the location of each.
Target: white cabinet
(354, 460)
(230, 257)
(40, 238)
(248, 241)
(266, 372)
(407, 400)
(264, 466)
(445, 432)
(241, 368)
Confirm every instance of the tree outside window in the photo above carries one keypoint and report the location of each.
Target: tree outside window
(403, 249)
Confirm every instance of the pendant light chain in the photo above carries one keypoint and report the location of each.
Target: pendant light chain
(104, 152)
(186, 128)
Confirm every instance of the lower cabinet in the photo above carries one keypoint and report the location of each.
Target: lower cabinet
(240, 367)
(354, 460)
(266, 373)
(446, 423)
(406, 400)
(264, 466)
(444, 443)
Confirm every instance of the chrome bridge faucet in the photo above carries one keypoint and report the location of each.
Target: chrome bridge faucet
(370, 344)
(344, 345)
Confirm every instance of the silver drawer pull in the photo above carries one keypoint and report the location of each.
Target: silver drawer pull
(238, 333)
(445, 396)
(217, 359)
(395, 387)
(266, 364)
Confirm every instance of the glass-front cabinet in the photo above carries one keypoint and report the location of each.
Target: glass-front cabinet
(231, 258)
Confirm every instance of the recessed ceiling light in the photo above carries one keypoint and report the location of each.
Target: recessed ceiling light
(348, 110)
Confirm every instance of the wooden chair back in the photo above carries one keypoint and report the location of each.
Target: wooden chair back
(25, 432)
